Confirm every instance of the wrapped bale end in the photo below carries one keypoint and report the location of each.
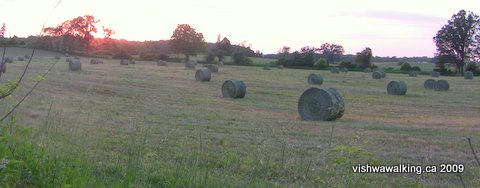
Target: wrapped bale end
(234, 89)
(413, 73)
(468, 75)
(435, 74)
(340, 105)
(124, 62)
(190, 65)
(321, 105)
(212, 67)
(441, 85)
(203, 75)
(335, 70)
(75, 65)
(397, 87)
(162, 63)
(429, 84)
(315, 79)
(378, 75)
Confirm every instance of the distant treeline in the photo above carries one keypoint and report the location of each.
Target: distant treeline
(350, 58)
(109, 47)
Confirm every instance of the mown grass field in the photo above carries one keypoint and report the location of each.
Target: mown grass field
(148, 126)
(424, 66)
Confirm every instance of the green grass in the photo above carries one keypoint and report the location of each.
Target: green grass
(149, 126)
(424, 66)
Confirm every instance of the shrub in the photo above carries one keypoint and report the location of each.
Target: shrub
(321, 64)
(416, 68)
(348, 64)
(471, 67)
(122, 55)
(284, 61)
(390, 68)
(210, 58)
(406, 67)
(240, 59)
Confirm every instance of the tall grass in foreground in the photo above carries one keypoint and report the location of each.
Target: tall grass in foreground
(33, 159)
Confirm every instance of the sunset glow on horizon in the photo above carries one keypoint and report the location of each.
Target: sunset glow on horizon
(390, 28)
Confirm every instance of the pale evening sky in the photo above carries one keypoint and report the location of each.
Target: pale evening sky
(389, 27)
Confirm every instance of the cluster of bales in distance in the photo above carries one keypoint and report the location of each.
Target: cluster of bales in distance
(327, 104)
(5, 60)
(315, 104)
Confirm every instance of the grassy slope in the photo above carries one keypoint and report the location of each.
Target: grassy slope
(160, 125)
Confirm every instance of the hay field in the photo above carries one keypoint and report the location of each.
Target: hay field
(149, 125)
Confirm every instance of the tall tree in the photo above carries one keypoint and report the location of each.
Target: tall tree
(78, 30)
(2, 30)
(457, 38)
(307, 55)
(284, 51)
(364, 58)
(331, 52)
(222, 48)
(187, 41)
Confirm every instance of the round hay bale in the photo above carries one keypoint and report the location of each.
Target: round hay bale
(397, 87)
(124, 62)
(20, 59)
(344, 69)
(162, 63)
(3, 67)
(468, 75)
(435, 74)
(378, 75)
(315, 79)
(266, 68)
(57, 57)
(95, 61)
(8, 60)
(190, 65)
(320, 105)
(132, 61)
(429, 84)
(203, 75)
(368, 70)
(441, 85)
(413, 73)
(335, 70)
(75, 65)
(212, 67)
(234, 89)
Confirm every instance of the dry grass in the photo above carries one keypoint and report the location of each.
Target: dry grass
(98, 110)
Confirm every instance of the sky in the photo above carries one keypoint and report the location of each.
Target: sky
(389, 27)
